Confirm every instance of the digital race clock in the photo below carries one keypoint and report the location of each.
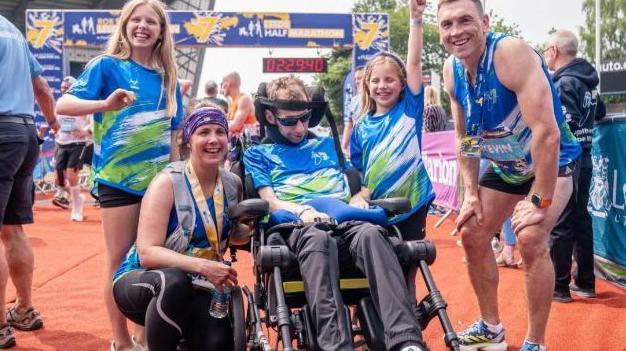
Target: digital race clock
(295, 65)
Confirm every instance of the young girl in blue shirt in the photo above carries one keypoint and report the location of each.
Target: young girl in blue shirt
(385, 143)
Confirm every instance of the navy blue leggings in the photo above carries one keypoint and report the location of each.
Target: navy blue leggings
(164, 301)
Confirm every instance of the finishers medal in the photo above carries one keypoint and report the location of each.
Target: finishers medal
(470, 146)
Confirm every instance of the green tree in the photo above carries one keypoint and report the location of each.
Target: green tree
(339, 64)
(613, 34)
(613, 29)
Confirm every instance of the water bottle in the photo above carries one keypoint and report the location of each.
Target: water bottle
(219, 302)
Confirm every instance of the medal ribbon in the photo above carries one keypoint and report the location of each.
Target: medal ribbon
(213, 232)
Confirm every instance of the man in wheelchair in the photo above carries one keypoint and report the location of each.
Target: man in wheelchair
(297, 167)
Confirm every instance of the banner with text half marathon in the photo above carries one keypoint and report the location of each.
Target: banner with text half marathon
(607, 198)
(371, 35)
(224, 29)
(44, 33)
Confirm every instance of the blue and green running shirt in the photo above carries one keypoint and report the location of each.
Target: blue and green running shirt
(495, 115)
(133, 144)
(298, 173)
(386, 150)
(197, 242)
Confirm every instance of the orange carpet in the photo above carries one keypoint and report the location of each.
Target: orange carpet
(68, 274)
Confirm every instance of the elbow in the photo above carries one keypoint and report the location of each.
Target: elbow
(145, 257)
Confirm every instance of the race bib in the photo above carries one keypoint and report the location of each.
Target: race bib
(67, 124)
(502, 147)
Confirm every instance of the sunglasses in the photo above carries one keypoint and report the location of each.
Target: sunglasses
(293, 120)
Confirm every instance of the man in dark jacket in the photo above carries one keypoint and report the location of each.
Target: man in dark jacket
(576, 81)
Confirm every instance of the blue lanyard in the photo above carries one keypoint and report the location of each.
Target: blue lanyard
(475, 97)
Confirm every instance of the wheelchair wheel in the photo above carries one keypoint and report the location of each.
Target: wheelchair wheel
(238, 320)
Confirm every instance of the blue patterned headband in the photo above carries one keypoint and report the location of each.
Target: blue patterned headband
(202, 116)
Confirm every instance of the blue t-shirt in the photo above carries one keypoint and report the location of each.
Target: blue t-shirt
(16, 60)
(131, 145)
(497, 118)
(386, 150)
(298, 173)
(197, 244)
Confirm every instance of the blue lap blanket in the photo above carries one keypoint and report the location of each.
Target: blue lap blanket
(334, 208)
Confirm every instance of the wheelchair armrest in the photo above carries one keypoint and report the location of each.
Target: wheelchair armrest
(251, 208)
(393, 205)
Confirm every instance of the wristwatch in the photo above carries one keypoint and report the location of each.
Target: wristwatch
(539, 202)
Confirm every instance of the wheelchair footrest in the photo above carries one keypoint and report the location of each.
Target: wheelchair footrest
(371, 324)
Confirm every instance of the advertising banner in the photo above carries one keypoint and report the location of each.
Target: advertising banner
(44, 33)
(439, 157)
(224, 29)
(607, 198)
(371, 35)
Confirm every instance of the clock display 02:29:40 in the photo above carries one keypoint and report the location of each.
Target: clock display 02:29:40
(294, 65)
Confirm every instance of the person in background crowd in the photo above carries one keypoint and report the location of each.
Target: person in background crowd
(434, 114)
(505, 109)
(211, 90)
(132, 90)
(19, 150)
(353, 112)
(576, 81)
(240, 107)
(71, 147)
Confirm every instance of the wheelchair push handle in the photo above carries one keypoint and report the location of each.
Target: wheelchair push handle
(393, 205)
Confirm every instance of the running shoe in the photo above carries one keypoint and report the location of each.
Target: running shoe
(496, 246)
(562, 297)
(479, 337)
(7, 339)
(578, 291)
(28, 320)
(61, 201)
(531, 346)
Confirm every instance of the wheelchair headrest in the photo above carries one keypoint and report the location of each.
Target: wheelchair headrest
(317, 104)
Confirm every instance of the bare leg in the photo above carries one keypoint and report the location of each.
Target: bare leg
(21, 261)
(4, 277)
(481, 263)
(534, 247)
(120, 231)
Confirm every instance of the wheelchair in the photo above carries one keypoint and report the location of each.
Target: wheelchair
(278, 301)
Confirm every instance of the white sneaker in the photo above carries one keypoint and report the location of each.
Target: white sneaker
(77, 209)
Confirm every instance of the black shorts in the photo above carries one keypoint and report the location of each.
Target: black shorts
(70, 156)
(88, 159)
(490, 179)
(19, 151)
(109, 196)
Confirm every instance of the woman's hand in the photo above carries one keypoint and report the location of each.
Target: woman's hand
(119, 99)
(217, 273)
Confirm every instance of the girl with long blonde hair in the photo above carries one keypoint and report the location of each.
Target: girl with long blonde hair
(133, 93)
